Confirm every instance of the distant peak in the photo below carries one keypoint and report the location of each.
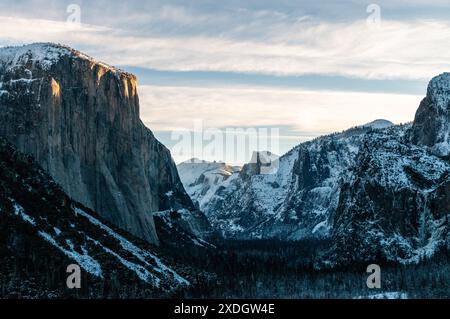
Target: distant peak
(195, 160)
(379, 124)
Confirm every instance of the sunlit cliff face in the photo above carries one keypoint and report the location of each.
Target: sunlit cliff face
(129, 85)
(56, 92)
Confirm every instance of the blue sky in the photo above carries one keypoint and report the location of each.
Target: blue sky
(305, 67)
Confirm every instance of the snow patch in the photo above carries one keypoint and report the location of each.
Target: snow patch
(321, 228)
(19, 211)
(57, 231)
(169, 194)
(84, 260)
(386, 295)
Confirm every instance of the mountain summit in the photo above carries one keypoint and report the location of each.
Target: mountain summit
(379, 124)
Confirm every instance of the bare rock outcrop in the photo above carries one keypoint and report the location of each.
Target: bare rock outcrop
(431, 127)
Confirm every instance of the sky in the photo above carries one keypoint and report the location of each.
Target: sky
(283, 71)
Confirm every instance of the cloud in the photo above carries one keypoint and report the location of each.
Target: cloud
(298, 115)
(396, 50)
(304, 111)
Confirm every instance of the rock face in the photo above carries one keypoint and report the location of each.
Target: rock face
(80, 119)
(432, 122)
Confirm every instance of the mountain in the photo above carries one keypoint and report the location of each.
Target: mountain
(79, 118)
(42, 231)
(202, 179)
(376, 192)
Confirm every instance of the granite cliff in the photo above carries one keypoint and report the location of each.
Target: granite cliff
(79, 118)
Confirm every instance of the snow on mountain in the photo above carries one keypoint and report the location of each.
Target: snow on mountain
(372, 192)
(385, 295)
(43, 56)
(202, 179)
(394, 204)
(376, 191)
(291, 203)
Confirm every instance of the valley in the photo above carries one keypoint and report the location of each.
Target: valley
(84, 181)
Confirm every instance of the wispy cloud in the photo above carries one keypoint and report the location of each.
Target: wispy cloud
(333, 53)
(397, 50)
(299, 115)
(302, 110)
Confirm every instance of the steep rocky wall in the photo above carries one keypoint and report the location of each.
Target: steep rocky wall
(431, 127)
(80, 119)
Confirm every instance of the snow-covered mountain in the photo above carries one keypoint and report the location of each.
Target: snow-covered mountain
(291, 203)
(394, 204)
(79, 118)
(202, 179)
(375, 190)
(43, 231)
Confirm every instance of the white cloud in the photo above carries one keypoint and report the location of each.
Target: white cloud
(299, 115)
(398, 50)
(173, 108)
